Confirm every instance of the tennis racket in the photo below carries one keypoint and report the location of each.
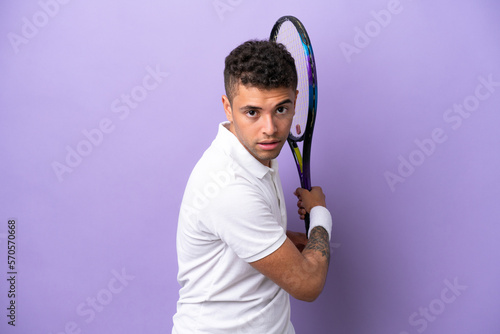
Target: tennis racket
(290, 32)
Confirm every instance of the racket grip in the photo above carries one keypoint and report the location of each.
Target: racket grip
(307, 223)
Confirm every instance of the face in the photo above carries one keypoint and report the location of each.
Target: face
(261, 119)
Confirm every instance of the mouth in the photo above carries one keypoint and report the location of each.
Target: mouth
(268, 145)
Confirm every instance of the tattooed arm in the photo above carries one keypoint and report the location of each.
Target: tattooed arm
(302, 275)
(319, 242)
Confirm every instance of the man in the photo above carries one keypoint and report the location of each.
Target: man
(237, 266)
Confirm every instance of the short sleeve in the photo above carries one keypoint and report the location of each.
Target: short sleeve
(241, 218)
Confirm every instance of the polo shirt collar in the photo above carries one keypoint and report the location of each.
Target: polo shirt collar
(230, 143)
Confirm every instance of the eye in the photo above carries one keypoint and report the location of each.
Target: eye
(252, 113)
(281, 110)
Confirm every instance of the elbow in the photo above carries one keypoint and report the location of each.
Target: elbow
(309, 299)
(309, 289)
(308, 294)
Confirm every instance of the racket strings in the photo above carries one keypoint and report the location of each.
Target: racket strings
(289, 36)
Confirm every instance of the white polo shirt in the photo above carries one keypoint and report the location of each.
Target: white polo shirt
(232, 213)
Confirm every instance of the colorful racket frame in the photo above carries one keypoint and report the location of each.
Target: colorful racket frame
(303, 160)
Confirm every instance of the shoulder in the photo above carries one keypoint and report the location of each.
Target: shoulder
(218, 183)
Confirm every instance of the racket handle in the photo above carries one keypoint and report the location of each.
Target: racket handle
(307, 223)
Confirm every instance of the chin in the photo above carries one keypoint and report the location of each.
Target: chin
(265, 155)
(270, 155)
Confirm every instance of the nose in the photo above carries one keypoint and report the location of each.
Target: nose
(268, 124)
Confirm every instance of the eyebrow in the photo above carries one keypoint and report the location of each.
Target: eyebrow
(249, 107)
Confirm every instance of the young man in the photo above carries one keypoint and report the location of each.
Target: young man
(237, 263)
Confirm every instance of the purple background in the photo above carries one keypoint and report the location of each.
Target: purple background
(395, 250)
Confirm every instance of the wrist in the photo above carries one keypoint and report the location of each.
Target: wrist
(320, 216)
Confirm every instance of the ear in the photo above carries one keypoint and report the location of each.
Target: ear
(227, 108)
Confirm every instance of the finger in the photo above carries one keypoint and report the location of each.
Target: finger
(298, 196)
(299, 191)
(302, 213)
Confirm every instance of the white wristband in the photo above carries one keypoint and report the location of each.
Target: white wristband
(320, 216)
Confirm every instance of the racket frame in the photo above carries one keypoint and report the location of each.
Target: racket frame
(303, 161)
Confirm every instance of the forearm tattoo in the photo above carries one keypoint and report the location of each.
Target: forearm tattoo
(318, 241)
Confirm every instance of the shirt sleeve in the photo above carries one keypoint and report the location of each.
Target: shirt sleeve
(242, 219)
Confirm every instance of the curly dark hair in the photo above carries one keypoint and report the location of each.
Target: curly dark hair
(260, 64)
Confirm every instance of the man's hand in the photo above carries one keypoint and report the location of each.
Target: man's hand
(309, 199)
